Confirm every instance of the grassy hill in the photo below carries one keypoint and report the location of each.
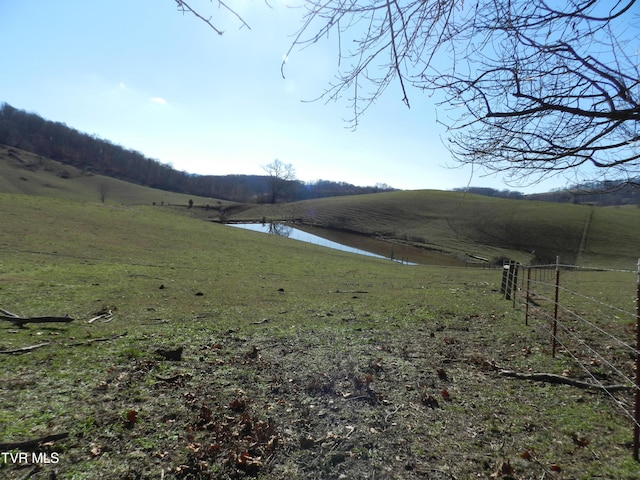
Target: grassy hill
(30, 174)
(454, 223)
(462, 224)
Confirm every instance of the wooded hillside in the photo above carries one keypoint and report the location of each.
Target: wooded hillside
(55, 140)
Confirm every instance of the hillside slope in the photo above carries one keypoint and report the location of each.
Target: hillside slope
(26, 173)
(451, 222)
(464, 224)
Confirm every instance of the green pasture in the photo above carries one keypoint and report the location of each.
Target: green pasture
(297, 331)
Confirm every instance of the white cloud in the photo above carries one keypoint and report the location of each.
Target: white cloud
(159, 100)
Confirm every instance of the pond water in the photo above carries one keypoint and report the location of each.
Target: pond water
(296, 234)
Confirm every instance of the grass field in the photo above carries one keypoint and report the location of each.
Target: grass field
(298, 361)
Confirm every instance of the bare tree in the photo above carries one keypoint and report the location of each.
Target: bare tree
(279, 174)
(184, 7)
(532, 87)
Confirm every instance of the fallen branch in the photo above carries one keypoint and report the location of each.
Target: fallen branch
(24, 349)
(96, 340)
(105, 317)
(8, 313)
(559, 379)
(22, 321)
(32, 443)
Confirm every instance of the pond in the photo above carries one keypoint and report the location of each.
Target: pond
(349, 242)
(287, 231)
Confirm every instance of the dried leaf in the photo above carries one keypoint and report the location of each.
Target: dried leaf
(132, 417)
(205, 413)
(505, 469)
(238, 405)
(442, 374)
(193, 447)
(580, 441)
(527, 455)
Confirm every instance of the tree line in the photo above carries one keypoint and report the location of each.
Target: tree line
(29, 131)
(603, 193)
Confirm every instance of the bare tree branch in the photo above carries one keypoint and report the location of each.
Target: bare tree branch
(533, 87)
(184, 7)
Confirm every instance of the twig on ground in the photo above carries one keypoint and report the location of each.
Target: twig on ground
(559, 379)
(24, 349)
(33, 442)
(96, 340)
(389, 414)
(105, 317)
(8, 313)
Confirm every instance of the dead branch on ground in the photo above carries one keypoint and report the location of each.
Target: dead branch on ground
(553, 378)
(22, 321)
(105, 317)
(32, 443)
(24, 349)
(559, 379)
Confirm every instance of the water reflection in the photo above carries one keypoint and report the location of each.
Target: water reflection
(279, 229)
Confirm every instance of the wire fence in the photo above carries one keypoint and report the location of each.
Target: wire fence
(591, 317)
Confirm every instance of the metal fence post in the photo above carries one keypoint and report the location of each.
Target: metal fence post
(505, 278)
(636, 429)
(514, 281)
(555, 308)
(526, 298)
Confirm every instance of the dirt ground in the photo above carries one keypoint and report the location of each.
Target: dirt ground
(340, 403)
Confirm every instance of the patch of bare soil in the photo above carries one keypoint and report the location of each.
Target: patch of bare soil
(332, 404)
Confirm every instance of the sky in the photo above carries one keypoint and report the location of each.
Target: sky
(145, 76)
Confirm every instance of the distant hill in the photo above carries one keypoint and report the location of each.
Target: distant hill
(603, 193)
(469, 225)
(88, 153)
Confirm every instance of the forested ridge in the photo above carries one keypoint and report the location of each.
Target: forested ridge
(55, 140)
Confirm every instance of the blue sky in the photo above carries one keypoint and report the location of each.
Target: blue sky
(144, 76)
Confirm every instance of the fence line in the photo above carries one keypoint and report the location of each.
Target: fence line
(545, 302)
